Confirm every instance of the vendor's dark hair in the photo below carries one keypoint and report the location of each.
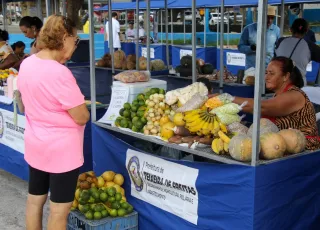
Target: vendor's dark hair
(206, 82)
(114, 14)
(28, 22)
(18, 44)
(299, 26)
(287, 66)
(4, 35)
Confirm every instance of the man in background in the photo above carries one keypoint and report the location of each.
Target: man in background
(115, 32)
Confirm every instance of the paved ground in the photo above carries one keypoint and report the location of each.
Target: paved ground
(12, 202)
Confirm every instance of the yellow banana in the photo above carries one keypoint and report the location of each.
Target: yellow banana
(216, 127)
(226, 147)
(223, 128)
(191, 113)
(197, 127)
(214, 146)
(195, 122)
(220, 145)
(206, 129)
(224, 137)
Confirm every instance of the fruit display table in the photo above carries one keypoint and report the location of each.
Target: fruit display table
(157, 51)
(12, 143)
(217, 195)
(208, 54)
(127, 47)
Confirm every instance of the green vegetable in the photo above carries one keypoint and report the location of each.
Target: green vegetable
(207, 69)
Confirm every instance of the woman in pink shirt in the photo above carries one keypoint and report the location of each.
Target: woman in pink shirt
(56, 115)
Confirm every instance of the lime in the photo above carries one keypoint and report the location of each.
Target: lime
(118, 196)
(84, 208)
(129, 209)
(113, 212)
(134, 108)
(97, 215)
(141, 103)
(122, 212)
(85, 195)
(89, 215)
(111, 191)
(162, 91)
(121, 112)
(148, 94)
(133, 114)
(111, 199)
(135, 102)
(124, 205)
(104, 213)
(96, 195)
(82, 201)
(124, 123)
(91, 200)
(139, 125)
(140, 113)
(93, 190)
(143, 108)
(135, 119)
(127, 106)
(103, 197)
(140, 97)
(127, 113)
(92, 206)
(99, 208)
(135, 129)
(144, 120)
(129, 125)
(115, 205)
(154, 90)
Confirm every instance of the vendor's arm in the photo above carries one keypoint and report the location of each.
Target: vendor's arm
(315, 52)
(281, 105)
(244, 46)
(8, 62)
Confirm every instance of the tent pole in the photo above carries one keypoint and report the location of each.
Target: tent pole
(171, 17)
(194, 42)
(218, 28)
(205, 28)
(148, 35)
(4, 13)
(138, 35)
(221, 47)
(126, 21)
(110, 37)
(167, 30)
(282, 18)
(184, 27)
(260, 72)
(48, 8)
(161, 25)
(92, 63)
(64, 8)
(39, 9)
(228, 30)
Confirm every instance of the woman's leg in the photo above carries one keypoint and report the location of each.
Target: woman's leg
(62, 188)
(38, 192)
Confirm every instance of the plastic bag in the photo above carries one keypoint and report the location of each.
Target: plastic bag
(194, 103)
(238, 128)
(230, 108)
(132, 76)
(228, 119)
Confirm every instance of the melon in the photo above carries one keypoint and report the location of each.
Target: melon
(207, 68)
(119, 57)
(249, 80)
(143, 65)
(131, 58)
(266, 126)
(186, 61)
(131, 65)
(273, 146)
(295, 140)
(240, 148)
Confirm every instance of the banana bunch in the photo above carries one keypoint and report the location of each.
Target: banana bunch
(220, 145)
(203, 123)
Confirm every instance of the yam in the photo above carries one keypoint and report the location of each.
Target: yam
(273, 146)
(294, 139)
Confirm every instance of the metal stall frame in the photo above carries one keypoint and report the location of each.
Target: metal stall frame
(207, 152)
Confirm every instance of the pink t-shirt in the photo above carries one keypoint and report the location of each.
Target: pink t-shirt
(53, 141)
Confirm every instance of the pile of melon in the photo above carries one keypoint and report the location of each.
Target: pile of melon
(273, 143)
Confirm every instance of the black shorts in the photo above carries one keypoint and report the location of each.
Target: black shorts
(62, 185)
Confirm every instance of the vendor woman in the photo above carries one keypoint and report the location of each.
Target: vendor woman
(7, 57)
(290, 107)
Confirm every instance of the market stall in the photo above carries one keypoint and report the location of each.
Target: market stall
(189, 195)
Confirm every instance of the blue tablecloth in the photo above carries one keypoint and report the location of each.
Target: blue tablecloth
(208, 54)
(282, 195)
(312, 76)
(127, 47)
(157, 51)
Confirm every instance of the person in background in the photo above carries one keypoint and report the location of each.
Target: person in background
(248, 40)
(290, 107)
(142, 32)
(18, 49)
(30, 27)
(56, 115)
(7, 57)
(297, 48)
(115, 32)
(310, 36)
(130, 33)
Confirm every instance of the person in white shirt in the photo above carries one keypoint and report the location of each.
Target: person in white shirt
(131, 32)
(141, 30)
(115, 31)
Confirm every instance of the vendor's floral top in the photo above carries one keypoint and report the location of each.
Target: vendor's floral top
(5, 51)
(304, 120)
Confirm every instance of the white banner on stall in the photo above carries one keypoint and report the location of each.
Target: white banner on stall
(236, 59)
(11, 135)
(119, 96)
(309, 67)
(185, 53)
(144, 52)
(164, 184)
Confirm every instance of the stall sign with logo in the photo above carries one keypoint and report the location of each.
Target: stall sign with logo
(236, 59)
(164, 184)
(11, 134)
(185, 53)
(119, 96)
(144, 52)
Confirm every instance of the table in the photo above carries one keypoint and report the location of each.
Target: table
(127, 47)
(157, 51)
(208, 54)
(230, 196)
